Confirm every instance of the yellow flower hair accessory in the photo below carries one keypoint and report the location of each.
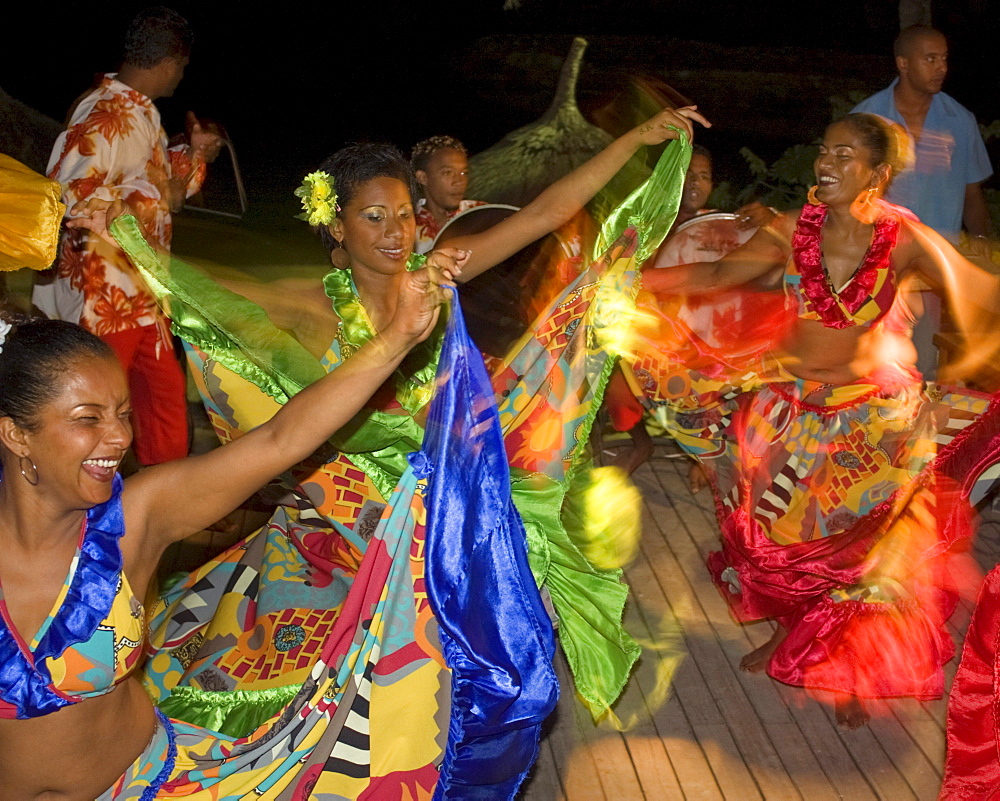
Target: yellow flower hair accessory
(319, 200)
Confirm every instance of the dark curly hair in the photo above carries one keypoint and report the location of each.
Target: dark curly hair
(357, 164)
(423, 150)
(154, 34)
(34, 357)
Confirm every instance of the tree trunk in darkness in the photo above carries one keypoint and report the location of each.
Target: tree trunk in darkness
(914, 12)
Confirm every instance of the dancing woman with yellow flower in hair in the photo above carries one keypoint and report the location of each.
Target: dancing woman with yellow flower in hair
(382, 637)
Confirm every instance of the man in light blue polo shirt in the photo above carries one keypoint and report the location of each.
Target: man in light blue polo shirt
(944, 186)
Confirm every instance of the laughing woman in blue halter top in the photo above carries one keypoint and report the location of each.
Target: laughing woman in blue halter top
(78, 546)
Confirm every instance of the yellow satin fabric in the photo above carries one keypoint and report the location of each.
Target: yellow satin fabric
(30, 213)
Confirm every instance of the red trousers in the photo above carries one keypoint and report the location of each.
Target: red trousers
(623, 406)
(157, 385)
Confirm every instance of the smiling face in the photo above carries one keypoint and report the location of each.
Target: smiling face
(446, 178)
(697, 184)
(844, 166)
(79, 437)
(925, 66)
(377, 228)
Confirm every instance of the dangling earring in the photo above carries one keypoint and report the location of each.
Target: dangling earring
(811, 197)
(863, 207)
(34, 470)
(340, 258)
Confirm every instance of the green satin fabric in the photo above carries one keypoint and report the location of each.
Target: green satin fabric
(236, 712)
(555, 531)
(597, 597)
(239, 335)
(227, 326)
(653, 207)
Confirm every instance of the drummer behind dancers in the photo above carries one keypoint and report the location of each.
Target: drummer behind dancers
(441, 165)
(698, 234)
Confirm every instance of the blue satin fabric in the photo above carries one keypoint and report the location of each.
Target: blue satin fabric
(27, 685)
(497, 637)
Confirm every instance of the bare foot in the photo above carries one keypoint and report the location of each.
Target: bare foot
(851, 712)
(641, 449)
(697, 480)
(756, 661)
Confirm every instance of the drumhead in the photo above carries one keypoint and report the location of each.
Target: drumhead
(473, 221)
(707, 237)
(703, 218)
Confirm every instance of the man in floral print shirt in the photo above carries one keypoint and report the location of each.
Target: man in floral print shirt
(441, 166)
(116, 149)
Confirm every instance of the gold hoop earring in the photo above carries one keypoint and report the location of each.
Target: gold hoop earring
(34, 470)
(863, 207)
(340, 258)
(811, 196)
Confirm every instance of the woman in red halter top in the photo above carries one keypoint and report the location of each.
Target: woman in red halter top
(824, 448)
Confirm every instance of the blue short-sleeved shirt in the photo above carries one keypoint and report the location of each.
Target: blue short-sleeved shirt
(949, 156)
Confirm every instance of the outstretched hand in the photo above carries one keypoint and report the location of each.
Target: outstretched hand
(418, 306)
(754, 215)
(205, 142)
(449, 261)
(96, 215)
(666, 124)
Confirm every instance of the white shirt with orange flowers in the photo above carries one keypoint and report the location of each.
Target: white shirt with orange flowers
(114, 148)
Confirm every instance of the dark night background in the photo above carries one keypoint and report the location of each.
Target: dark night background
(294, 81)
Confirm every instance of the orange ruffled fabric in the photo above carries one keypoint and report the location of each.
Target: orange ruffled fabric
(30, 214)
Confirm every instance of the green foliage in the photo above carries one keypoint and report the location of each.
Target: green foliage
(991, 131)
(782, 184)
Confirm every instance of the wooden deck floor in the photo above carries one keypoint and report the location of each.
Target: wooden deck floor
(710, 731)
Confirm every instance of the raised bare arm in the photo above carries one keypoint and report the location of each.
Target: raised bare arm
(557, 204)
(173, 500)
(766, 250)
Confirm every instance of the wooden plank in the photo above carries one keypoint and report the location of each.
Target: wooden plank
(653, 766)
(767, 758)
(746, 736)
(836, 763)
(912, 763)
(735, 780)
(646, 692)
(576, 768)
(694, 776)
(820, 735)
(875, 764)
(614, 764)
(694, 686)
(543, 782)
(915, 755)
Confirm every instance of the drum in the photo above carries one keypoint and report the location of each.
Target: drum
(707, 237)
(472, 221)
(493, 303)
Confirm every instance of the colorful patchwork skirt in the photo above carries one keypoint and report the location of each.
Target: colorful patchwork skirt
(843, 514)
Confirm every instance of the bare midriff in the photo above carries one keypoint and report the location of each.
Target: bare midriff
(842, 355)
(80, 751)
